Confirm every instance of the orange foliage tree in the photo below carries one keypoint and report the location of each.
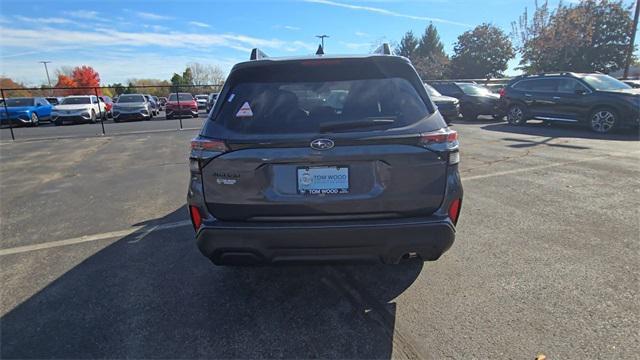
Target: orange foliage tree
(65, 82)
(8, 83)
(85, 76)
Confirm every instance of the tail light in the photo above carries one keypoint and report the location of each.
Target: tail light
(196, 218)
(442, 141)
(204, 144)
(454, 210)
(501, 92)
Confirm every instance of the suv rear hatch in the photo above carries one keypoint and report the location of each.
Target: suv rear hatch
(322, 139)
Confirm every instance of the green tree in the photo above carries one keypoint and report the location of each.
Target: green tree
(429, 59)
(481, 53)
(407, 46)
(589, 36)
(187, 77)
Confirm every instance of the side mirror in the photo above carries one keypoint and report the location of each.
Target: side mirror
(580, 92)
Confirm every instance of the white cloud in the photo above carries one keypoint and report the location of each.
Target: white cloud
(50, 20)
(386, 12)
(289, 27)
(152, 16)
(199, 24)
(361, 34)
(83, 14)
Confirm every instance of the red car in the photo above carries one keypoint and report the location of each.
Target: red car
(108, 104)
(185, 105)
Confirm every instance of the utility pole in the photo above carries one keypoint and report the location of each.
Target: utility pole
(634, 30)
(47, 71)
(321, 37)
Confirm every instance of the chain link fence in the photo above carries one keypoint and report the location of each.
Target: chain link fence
(36, 113)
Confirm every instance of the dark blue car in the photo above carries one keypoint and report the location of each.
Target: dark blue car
(25, 111)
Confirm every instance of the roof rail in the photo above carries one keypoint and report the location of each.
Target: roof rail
(257, 54)
(383, 49)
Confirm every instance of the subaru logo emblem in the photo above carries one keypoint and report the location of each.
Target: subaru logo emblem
(322, 144)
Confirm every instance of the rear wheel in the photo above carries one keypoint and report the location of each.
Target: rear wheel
(516, 115)
(34, 119)
(603, 120)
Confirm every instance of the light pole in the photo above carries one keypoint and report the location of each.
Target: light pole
(634, 29)
(47, 71)
(321, 37)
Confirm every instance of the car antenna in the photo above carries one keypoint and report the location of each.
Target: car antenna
(383, 49)
(320, 50)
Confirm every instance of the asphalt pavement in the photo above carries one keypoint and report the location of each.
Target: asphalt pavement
(97, 259)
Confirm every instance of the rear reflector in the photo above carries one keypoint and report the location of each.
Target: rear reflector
(502, 91)
(454, 211)
(196, 218)
(208, 144)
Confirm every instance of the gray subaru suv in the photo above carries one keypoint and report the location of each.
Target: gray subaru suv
(324, 159)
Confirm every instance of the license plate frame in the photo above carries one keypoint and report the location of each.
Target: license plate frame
(323, 185)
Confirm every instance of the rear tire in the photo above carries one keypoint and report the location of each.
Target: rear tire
(516, 115)
(603, 120)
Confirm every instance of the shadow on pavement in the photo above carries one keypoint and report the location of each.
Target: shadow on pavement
(563, 131)
(160, 298)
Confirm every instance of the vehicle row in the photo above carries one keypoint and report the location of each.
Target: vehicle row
(30, 111)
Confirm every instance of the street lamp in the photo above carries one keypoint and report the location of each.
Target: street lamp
(47, 71)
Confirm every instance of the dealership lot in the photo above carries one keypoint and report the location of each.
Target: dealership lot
(97, 258)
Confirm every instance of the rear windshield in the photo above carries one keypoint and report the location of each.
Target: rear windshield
(130, 98)
(76, 100)
(183, 97)
(201, 97)
(312, 107)
(15, 102)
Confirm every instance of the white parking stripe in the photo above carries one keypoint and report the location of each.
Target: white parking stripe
(545, 166)
(94, 237)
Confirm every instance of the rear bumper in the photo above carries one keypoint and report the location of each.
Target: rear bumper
(372, 240)
(182, 112)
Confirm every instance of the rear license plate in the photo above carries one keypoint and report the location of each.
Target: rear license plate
(323, 180)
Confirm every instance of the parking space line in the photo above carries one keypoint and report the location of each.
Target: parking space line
(546, 166)
(94, 237)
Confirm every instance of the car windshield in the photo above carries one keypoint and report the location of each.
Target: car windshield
(312, 107)
(130, 99)
(183, 97)
(53, 101)
(473, 89)
(604, 82)
(431, 90)
(16, 102)
(76, 100)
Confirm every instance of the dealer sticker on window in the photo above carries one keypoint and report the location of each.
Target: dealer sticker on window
(245, 110)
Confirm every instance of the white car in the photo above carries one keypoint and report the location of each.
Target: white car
(202, 101)
(79, 108)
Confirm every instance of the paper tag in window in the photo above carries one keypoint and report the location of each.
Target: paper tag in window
(245, 110)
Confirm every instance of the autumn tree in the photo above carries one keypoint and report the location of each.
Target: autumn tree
(65, 82)
(592, 35)
(8, 83)
(481, 53)
(86, 76)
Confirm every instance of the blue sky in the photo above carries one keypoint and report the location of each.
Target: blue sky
(154, 39)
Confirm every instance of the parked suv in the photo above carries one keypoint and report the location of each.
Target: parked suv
(185, 104)
(278, 173)
(596, 100)
(475, 100)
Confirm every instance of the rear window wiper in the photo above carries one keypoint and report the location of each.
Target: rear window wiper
(366, 122)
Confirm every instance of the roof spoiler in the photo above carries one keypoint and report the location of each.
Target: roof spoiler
(383, 49)
(257, 54)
